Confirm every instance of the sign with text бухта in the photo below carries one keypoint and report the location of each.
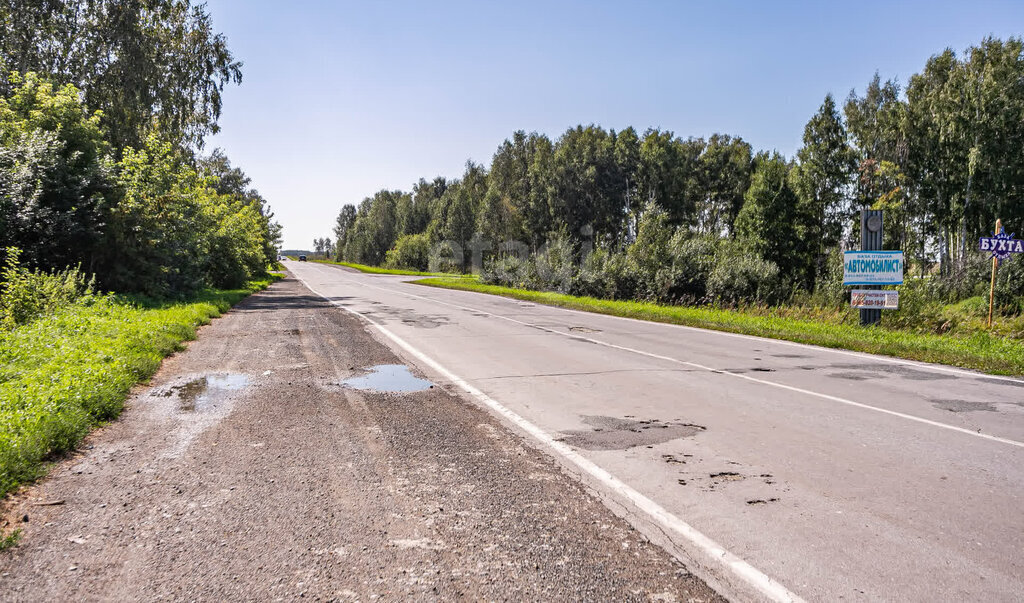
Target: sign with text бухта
(1001, 246)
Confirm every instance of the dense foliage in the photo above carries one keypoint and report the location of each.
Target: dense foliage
(154, 62)
(650, 215)
(103, 107)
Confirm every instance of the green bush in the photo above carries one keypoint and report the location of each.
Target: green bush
(918, 310)
(556, 264)
(685, 279)
(829, 291)
(509, 271)
(741, 276)
(962, 282)
(29, 294)
(411, 252)
(1010, 286)
(595, 277)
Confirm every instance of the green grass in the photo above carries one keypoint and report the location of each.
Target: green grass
(980, 350)
(376, 270)
(10, 540)
(63, 374)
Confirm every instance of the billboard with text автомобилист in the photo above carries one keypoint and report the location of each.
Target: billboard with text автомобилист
(873, 268)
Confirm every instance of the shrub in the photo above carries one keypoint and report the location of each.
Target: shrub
(650, 252)
(741, 276)
(594, 278)
(29, 294)
(963, 281)
(829, 290)
(1010, 286)
(445, 258)
(691, 260)
(509, 271)
(411, 252)
(556, 264)
(918, 309)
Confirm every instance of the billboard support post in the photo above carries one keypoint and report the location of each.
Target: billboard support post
(871, 240)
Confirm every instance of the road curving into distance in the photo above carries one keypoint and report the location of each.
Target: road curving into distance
(782, 471)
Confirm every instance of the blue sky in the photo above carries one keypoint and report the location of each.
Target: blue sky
(341, 99)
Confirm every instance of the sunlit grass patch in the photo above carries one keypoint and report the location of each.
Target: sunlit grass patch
(64, 373)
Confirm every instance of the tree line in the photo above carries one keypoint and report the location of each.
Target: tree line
(941, 154)
(104, 109)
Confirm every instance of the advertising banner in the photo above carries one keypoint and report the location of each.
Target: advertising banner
(873, 268)
(874, 299)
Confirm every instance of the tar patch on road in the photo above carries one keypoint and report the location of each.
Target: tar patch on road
(611, 433)
(963, 406)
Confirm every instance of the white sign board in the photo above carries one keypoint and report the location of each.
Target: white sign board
(873, 268)
(867, 299)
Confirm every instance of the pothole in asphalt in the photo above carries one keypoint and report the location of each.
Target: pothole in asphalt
(388, 378)
(899, 370)
(852, 376)
(611, 433)
(584, 330)
(204, 389)
(963, 405)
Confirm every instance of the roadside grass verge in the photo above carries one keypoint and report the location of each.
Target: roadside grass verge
(376, 270)
(10, 540)
(65, 373)
(979, 350)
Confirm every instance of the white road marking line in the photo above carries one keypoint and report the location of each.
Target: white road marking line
(766, 340)
(800, 390)
(750, 575)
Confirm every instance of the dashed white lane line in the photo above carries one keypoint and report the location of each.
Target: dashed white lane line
(800, 390)
(748, 574)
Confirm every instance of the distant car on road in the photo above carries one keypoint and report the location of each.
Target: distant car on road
(302, 258)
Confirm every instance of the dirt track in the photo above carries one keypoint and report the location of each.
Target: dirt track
(263, 486)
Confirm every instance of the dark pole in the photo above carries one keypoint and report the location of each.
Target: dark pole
(871, 240)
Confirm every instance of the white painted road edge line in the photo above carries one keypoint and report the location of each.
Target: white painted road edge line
(791, 388)
(750, 575)
(768, 340)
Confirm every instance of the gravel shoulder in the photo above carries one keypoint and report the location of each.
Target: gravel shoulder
(245, 470)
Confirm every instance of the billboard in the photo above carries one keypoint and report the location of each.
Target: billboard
(873, 268)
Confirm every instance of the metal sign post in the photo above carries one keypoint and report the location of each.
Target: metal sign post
(870, 240)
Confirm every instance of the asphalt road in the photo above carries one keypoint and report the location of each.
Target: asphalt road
(779, 470)
(249, 471)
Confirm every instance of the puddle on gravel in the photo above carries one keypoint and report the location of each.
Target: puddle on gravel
(388, 378)
(203, 389)
(610, 433)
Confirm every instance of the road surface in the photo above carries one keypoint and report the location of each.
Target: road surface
(779, 470)
(246, 471)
